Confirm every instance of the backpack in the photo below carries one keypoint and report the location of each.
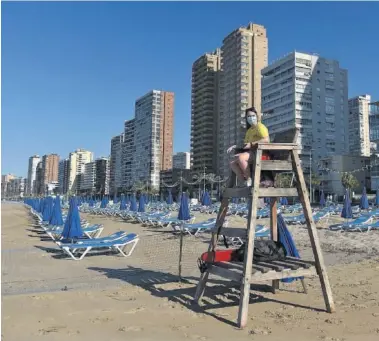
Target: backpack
(264, 250)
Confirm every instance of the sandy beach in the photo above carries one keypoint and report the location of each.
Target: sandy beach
(47, 296)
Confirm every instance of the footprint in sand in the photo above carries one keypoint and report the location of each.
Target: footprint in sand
(52, 329)
(101, 320)
(130, 329)
(136, 310)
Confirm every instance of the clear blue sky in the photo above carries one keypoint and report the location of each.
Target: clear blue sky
(72, 71)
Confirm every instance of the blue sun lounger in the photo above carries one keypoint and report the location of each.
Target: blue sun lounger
(93, 231)
(77, 251)
(360, 222)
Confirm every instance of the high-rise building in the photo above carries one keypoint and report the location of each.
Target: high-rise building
(63, 175)
(181, 160)
(128, 151)
(39, 182)
(88, 178)
(50, 165)
(102, 176)
(310, 93)
(205, 117)
(32, 167)
(359, 132)
(153, 133)
(77, 160)
(115, 180)
(244, 53)
(374, 126)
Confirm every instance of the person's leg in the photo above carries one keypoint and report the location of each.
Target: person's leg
(237, 170)
(243, 159)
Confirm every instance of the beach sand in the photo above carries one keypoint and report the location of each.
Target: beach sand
(109, 297)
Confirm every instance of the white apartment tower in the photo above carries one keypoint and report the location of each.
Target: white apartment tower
(153, 132)
(359, 130)
(88, 178)
(32, 171)
(244, 53)
(310, 93)
(115, 169)
(181, 160)
(205, 112)
(77, 160)
(63, 174)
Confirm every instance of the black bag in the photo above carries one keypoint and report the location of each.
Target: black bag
(264, 250)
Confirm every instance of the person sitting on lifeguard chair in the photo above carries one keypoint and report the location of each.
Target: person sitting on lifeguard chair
(256, 132)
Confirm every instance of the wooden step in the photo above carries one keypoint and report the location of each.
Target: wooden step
(244, 192)
(277, 146)
(265, 271)
(276, 165)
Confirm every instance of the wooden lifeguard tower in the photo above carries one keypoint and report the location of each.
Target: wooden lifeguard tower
(286, 159)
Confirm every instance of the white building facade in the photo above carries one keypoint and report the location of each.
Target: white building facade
(359, 129)
(128, 153)
(77, 161)
(310, 93)
(32, 171)
(115, 171)
(88, 178)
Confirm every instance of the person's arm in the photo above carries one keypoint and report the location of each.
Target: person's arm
(250, 145)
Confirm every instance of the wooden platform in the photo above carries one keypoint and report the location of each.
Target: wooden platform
(265, 271)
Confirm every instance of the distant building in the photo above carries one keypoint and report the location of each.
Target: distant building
(102, 176)
(181, 160)
(359, 133)
(32, 168)
(63, 175)
(128, 153)
(50, 165)
(331, 169)
(170, 177)
(39, 182)
(153, 137)
(374, 124)
(88, 178)
(310, 93)
(205, 116)
(115, 180)
(5, 180)
(77, 160)
(244, 53)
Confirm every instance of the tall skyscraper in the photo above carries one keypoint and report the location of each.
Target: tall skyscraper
(39, 182)
(310, 93)
(181, 160)
(244, 53)
(50, 165)
(128, 151)
(102, 176)
(63, 175)
(88, 178)
(374, 125)
(153, 133)
(115, 171)
(77, 160)
(32, 168)
(205, 117)
(359, 132)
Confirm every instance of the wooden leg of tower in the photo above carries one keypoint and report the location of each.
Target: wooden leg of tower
(315, 243)
(219, 223)
(274, 233)
(249, 247)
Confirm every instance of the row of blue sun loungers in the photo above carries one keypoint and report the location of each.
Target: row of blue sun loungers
(118, 241)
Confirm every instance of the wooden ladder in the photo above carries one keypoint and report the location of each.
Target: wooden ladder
(246, 273)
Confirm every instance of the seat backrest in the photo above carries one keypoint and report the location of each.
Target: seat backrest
(288, 136)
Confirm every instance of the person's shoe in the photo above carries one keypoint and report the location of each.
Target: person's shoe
(249, 182)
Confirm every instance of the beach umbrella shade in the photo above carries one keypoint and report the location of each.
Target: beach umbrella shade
(91, 203)
(206, 199)
(141, 205)
(284, 201)
(104, 203)
(346, 210)
(133, 204)
(169, 198)
(377, 198)
(184, 214)
(364, 200)
(123, 203)
(285, 238)
(56, 216)
(47, 209)
(72, 227)
(322, 199)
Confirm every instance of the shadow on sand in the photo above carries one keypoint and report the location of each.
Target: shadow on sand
(218, 294)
